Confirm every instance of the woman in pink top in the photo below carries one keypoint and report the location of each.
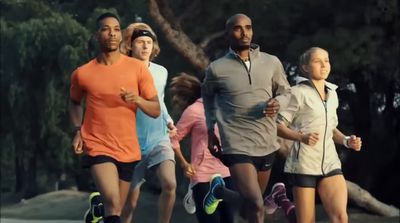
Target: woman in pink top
(185, 90)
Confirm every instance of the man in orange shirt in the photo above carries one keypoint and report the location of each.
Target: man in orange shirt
(114, 86)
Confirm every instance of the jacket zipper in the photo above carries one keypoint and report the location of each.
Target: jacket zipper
(326, 126)
(245, 67)
(298, 151)
(324, 103)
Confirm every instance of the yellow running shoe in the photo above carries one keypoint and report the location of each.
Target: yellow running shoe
(96, 209)
(210, 202)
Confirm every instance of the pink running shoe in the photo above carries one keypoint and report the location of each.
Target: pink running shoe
(269, 201)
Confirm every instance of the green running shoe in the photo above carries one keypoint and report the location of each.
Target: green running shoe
(96, 209)
(210, 202)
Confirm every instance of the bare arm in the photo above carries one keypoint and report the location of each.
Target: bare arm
(352, 141)
(288, 133)
(180, 156)
(75, 113)
(76, 116)
(184, 127)
(150, 107)
(186, 166)
(338, 137)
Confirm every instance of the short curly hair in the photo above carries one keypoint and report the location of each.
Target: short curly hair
(185, 89)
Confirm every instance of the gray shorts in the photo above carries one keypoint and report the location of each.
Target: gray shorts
(160, 153)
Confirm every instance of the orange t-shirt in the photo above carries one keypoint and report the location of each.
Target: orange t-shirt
(109, 124)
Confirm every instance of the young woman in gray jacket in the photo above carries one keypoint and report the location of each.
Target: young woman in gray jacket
(310, 120)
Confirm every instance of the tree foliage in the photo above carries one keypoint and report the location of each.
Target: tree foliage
(38, 54)
(43, 41)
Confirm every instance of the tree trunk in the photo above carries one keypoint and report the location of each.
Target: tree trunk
(178, 39)
(365, 200)
(31, 188)
(19, 174)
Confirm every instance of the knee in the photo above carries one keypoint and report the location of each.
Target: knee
(256, 205)
(252, 209)
(343, 217)
(113, 205)
(340, 217)
(169, 186)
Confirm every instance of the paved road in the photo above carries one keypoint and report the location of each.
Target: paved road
(71, 205)
(67, 204)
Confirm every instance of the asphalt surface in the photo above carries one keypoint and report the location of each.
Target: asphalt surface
(58, 206)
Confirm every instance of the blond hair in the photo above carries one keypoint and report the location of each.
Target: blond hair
(304, 58)
(126, 45)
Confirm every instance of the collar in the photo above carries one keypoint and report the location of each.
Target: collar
(328, 85)
(254, 52)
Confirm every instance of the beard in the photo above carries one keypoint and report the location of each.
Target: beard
(109, 49)
(238, 47)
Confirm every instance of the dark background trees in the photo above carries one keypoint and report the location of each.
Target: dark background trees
(43, 41)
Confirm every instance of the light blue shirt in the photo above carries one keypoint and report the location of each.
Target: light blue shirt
(152, 131)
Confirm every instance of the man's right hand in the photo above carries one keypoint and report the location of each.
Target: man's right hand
(213, 144)
(77, 143)
(130, 97)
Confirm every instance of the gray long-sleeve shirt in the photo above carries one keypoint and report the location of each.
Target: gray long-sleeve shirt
(235, 97)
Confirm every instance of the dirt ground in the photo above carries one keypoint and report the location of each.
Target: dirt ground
(68, 206)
